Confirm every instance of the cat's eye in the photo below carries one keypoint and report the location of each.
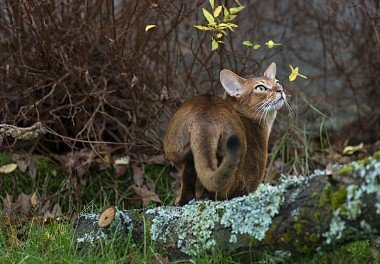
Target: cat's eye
(261, 88)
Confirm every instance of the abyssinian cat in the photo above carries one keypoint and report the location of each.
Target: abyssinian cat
(220, 146)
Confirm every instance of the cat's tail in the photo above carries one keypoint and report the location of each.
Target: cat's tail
(213, 176)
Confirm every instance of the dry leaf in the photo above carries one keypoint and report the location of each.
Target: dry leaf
(56, 211)
(349, 150)
(122, 161)
(34, 199)
(146, 195)
(23, 203)
(134, 81)
(329, 170)
(22, 164)
(8, 168)
(150, 184)
(138, 176)
(32, 171)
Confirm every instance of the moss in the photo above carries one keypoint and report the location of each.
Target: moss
(332, 199)
(269, 236)
(253, 242)
(287, 237)
(338, 198)
(314, 238)
(376, 155)
(201, 207)
(325, 196)
(346, 170)
(365, 161)
(303, 248)
(220, 212)
(298, 228)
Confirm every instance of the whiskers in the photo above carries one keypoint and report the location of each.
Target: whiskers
(288, 106)
(265, 107)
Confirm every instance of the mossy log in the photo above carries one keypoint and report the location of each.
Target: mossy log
(301, 215)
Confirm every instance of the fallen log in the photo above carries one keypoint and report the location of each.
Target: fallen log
(301, 215)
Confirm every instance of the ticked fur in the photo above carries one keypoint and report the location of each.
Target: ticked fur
(220, 146)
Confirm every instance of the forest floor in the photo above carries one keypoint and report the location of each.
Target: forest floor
(37, 223)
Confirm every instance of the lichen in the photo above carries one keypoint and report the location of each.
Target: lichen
(249, 215)
(120, 221)
(369, 172)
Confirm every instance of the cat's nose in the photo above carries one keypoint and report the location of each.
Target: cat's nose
(279, 88)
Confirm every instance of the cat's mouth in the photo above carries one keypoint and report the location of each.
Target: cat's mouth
(277, 103)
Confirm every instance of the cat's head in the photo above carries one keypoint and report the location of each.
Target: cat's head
(256, 97)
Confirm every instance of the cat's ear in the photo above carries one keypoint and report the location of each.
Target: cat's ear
(232, 83)
(270, 72)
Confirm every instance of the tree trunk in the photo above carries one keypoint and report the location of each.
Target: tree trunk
(301, 215)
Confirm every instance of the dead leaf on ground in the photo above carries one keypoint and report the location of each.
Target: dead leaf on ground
(146, 195)
(138, 176)
(150, 184)
(32, 170)
(22, 164)
(34, 199)
(134, 81)
(8, 168)
(349, 150)
(23, 203)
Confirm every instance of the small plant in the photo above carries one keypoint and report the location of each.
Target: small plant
(218, 22)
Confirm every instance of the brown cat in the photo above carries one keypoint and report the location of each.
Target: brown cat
(220, 147)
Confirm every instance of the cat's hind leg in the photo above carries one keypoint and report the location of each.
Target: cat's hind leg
(188, 180)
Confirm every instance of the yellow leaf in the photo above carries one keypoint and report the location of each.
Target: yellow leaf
(214, 45)
(271, 44)
(217, 11)
(8, 168)
(295, 73)
(247, 43)
(349, 150)
(200, 27)
(257, 46)
(34, 199)
(208, 16)
(235, 10)
(149, 27)
(219, 35)
(212, 3)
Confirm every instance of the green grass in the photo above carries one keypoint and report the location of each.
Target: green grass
(53, 243)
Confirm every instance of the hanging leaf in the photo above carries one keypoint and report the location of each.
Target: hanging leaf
(208, 16)
(217, 11)
(8, 168)
(148, 27)
(214, 45)
(247, 43)
(219, 35)
(200, 27)
(295, 73)
(235, 10)
(212, 3)
(272, 44)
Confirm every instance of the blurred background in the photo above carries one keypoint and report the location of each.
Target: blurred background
(104, 88)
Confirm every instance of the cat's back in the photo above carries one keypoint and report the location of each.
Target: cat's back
(203, 117)
(205, 107)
